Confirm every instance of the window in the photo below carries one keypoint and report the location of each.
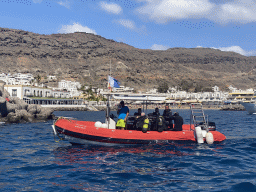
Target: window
(14, 93)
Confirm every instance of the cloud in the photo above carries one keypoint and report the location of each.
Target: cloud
(163, 11)
(111, 7)
(65, 4)
(126, 23)
(76, 27)
(159, 47)
(239, 12)
(237, 49)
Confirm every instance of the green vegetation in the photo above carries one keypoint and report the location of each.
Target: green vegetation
(185, 86)
(207, 89)
(198, 88)
(163, 87)
(38, 78)
(93, 96)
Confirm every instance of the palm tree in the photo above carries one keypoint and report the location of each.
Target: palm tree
(38, 79)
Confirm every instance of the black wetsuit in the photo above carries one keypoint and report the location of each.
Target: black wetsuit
(178, 122)
(137, 114)
(168, 118)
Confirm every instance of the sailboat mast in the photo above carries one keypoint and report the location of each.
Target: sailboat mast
(108, 104)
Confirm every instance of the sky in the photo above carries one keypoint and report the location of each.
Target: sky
(228, 25)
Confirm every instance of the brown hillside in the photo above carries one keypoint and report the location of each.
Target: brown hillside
(86, 58)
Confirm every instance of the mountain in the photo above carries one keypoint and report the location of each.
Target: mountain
(86, 58)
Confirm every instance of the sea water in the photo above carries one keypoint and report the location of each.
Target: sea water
(31, 160)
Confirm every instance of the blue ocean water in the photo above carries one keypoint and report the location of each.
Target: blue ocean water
(31, 160)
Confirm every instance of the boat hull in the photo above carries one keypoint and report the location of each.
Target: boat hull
(84, 132)
(249, 107)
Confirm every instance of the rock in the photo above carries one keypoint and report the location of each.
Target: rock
(19, 102)
(24, 115)
(17, 110)
(32, 109)
(38, 108)
(1, 90)
(5, 94)
(11, 107)
(13, 118)
(3, 108)
(45, 113)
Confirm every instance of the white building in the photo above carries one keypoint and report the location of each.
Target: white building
(71, 87)
(123, 89)
(22, 91)
(17, 78)
(51, 77)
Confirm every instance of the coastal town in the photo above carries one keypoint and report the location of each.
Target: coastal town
(71, 93)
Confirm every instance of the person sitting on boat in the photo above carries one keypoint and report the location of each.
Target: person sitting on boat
(156, 112)
(178, 122)
(138, 113)
(158, 122)
(123, 113)
(167, 114)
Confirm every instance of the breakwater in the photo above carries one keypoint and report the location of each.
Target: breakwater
(236, 107)
(16, 110)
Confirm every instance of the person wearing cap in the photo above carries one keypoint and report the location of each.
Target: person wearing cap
(123, 113)
(178, 122)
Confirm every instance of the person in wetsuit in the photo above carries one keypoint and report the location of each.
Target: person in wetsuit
(178, 122)
(156, 112)
(167, 114)
(158, 122)
(137, 117)
(138, 113)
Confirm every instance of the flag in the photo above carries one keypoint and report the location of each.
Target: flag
(112, 82)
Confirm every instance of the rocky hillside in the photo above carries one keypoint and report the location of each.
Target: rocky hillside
(86, 58)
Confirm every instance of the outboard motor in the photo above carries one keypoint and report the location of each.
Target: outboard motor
(212, 126)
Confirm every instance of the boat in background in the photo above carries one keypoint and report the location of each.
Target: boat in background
(250, 107)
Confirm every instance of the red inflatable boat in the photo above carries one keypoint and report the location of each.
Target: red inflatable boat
(87, 132)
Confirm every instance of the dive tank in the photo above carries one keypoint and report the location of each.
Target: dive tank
(160, 124)
(145, 125)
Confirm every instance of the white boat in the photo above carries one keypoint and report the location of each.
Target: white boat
(249, 107)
